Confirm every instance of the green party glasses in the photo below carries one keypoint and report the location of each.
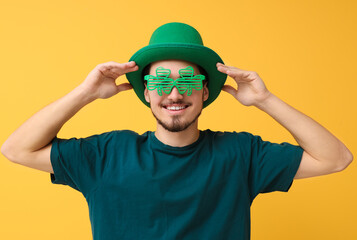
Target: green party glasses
(163, 83)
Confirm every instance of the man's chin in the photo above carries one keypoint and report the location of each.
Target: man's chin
(176, 125)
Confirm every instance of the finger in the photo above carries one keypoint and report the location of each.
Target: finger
(123, 68)
(229, 71)
(239, 74)
(117, 72)
(118, 68)
(124, 87)
(230, 68)
(223, 66)
(236, 73)
(130, 65)
(116, 64)
(229, 89)
(223, 69)
(131, 69)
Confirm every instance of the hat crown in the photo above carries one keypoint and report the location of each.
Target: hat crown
(176, 32)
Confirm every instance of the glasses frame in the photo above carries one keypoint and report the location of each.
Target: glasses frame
(163, 83)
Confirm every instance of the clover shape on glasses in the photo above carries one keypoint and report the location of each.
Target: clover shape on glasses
(163, 83)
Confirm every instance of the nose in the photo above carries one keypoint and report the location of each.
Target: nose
(175, 95)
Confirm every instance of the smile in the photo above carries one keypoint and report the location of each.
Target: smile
(175, 107)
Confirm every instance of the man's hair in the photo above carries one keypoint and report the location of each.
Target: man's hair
(146, 71)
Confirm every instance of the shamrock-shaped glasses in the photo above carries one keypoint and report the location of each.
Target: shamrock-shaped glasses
(163, 83)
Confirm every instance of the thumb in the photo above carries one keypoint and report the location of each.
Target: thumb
(124, 87)
(229, 89)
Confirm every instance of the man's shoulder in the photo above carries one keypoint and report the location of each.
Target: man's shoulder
(227, 134)
(115, 135)
(233, 138)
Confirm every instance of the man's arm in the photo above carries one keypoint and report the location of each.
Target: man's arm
(323, 152)
(30, 144)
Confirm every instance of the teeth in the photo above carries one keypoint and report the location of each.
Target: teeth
(175, 108)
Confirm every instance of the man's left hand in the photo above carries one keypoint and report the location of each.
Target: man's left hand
(251, 88)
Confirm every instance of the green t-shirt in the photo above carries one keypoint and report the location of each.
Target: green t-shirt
(137, 187)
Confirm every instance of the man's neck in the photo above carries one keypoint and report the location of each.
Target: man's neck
(178, 139)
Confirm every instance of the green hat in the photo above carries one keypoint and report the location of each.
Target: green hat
(177, 41)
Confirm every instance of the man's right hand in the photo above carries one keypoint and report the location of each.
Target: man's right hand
(30, 145)
(100, 82)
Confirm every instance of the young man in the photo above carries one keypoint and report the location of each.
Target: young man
(177, 182)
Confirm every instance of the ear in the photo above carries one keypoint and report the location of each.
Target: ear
(146, 94)
(205, 92)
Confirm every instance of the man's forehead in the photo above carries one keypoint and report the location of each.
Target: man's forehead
(173, 65)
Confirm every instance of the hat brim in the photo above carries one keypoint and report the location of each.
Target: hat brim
(198, 54)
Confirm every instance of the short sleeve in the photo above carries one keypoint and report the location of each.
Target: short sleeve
(78, 162)
(271, 166)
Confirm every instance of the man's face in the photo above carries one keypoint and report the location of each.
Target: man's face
(173, 111)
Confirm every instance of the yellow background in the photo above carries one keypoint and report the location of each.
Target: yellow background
(305, 52)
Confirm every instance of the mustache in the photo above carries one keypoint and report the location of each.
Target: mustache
(175, 102)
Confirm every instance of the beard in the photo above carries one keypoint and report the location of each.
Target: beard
(175, 124)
